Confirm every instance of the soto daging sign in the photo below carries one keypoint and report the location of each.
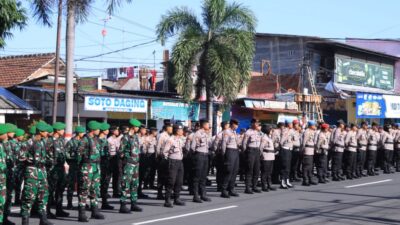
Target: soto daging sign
(115, 104)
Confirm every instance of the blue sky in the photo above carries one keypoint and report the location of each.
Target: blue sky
(135, 24)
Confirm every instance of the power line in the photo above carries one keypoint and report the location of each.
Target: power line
(119, 29)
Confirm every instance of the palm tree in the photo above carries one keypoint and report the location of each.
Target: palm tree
(221, 44)
(12, 15)
(77, 11)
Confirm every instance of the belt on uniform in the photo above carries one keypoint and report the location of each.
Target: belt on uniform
(363, 145)
(231, 149)
(388, 142)
(353, 146)
(201, 153)
(269, 151)
(286, 148)
(372, 145)
(340, 146)
(310, 146)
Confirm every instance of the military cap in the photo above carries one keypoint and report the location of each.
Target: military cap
(374, 124)
(224, 123)
(254, 120)
(50, 128)
(80, 129)
(19, 132)
(134, 122)
(177, 126)
(311, 123)
(94, 125)
(143, 126)
(32, 130)
(42, 126)
(340, 122)
(287, 121)
(3, 129)
(325, 126)
(11, 128)
(153, 129)
(280, 124)
(104, 126)
(203, 121)
(295, 121)
(59, 126)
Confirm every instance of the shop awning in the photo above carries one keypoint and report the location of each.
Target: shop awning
(288, 111)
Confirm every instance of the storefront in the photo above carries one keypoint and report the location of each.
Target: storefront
(377, 107)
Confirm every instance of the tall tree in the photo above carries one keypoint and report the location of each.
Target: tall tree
(12, 15)
(220, 43)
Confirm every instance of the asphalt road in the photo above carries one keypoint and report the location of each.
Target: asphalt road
(371, 200)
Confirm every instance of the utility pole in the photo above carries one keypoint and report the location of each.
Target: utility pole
(57, 66)
(69, 87)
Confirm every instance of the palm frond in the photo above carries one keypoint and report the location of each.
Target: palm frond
(185, 55)
(177, 19)
(239, 17)
(12, 15)
(43, 11)
(213, 13)
(113, 4)
(82, 9)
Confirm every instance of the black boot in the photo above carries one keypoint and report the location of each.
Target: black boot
(264, 188)
(135, 207)
(225, 194)
(6, 221)
(69, 206)
(25, 220)
(82, 215)
(96, 214)
(248, 190)
(168, 203)
(197, 199)
(43, 220)
(269, 184)
(60, 212)
(106, 206)
(178, 201)
(124, 209)
(49, 213)
(160, 195)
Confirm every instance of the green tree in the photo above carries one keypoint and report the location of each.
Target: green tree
(220, 44)
(12, 15)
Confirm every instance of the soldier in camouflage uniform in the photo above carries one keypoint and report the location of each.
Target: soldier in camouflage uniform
(3, 170)
(57, 173)
(89, 169)
(130, 159)
(71, 150)
(19, 171)
(105, 166)
(11, 150)
(35, 178)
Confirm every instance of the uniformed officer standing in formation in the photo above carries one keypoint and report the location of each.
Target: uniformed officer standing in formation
(173, 152)
(308, 146)
(3, 173)
(130, 161)
(218, 159)
(251, 147)
(200, 147)
(321, 152)
(286, 141)
(105, 168)
(268, 156)
(162, 162)
(151, 145)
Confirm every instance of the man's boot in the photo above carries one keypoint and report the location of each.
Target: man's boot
(269, 185)
(43, 220)
(196, 198)
(288, 184)
(82, 215)
(105, 205)
(225, 194)
(124, 209)
(49, 213)
(160, 195)
(135, 207)
(59, 210)
(283, 184)
(168, 203)
(96, 214)
(69, 205)
(25, 220)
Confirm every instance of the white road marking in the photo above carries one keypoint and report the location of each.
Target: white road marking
(376, 182)
(18, 209)
(185, 215)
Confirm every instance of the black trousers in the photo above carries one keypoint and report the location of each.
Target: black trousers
(116, 171)
(321, 164)
(150, 172)
(351, 162)
(105, 176)
(266, 172)
(219, 165)
(143, 167)
(361, 157)
(162, 174)
(188, 171)
(396, 159)
(387, 163)
(337, 159)
(175, 178)
(371, 161)
(295, 164)
(308, 161)
(200, 165)
(253, 167)
(231, 168)
(285, 161)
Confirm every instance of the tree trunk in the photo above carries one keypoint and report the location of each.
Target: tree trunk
(69, 89)
(209, 103)
(57, 69)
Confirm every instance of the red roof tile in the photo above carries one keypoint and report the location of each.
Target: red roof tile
(16, 69)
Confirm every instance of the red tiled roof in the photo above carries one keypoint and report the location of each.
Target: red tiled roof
(16, 69)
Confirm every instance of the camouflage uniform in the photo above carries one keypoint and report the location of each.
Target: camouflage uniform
(89, 169)
(19, 171)
(71, 151)
(105, 167)
(130, 158)
(11, 151)
(3, 173)
(35, 177)
(57, 175)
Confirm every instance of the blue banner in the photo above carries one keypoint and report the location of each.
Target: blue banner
(370, 105)
(174, 110)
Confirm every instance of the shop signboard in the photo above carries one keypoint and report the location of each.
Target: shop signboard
(377, 106)
(174, 110)
(115, 104)
(363, 73)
